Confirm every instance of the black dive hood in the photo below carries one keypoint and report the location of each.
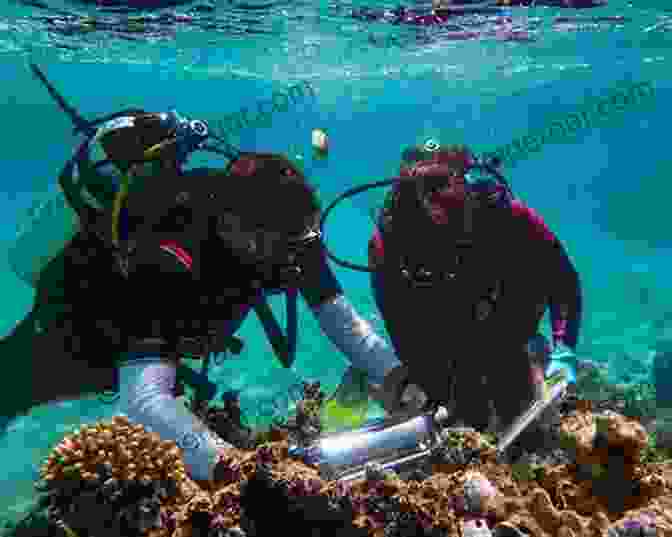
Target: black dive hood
(489, 167)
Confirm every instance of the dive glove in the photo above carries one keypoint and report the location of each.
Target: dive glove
(562, 357)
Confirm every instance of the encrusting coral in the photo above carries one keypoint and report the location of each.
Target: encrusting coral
(116, 479)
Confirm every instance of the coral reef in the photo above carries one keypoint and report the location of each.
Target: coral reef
(662, 374)
(597, 479)
(226, 420)
(114, 479)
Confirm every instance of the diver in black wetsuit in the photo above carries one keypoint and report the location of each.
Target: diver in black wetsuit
(167, 263)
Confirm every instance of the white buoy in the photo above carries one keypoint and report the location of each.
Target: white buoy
(320, 142)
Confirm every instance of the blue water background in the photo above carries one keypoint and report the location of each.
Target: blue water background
(606, 192)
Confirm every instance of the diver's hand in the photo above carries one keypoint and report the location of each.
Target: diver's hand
(562, 357)
(397, 395)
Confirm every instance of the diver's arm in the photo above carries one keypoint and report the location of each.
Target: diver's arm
(146, 385)
(566, 298)
(565, 293)
(339, 320)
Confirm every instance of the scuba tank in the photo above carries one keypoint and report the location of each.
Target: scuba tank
(79, 203)
(59, 219)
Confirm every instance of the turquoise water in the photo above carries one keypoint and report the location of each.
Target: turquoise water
(605, 190)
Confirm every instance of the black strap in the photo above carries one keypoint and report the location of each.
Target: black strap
(203, 387)
(284, 344)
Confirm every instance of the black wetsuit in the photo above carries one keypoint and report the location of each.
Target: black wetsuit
(87, 315)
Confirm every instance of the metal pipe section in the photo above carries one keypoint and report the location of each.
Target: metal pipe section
(381, 440)
(556, 392)
(405, 441)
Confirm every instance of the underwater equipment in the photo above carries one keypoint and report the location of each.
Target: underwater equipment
(186, 136)
(427, 151)
(90, 127)
(284, 345)
(488, 166)
(555, 389)
(403, 442)
(63, 215)
(394, 442)
(30, 253)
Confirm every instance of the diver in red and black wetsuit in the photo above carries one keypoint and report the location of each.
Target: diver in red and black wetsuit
(463, 275)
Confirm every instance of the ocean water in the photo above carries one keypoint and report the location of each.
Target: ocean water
(605, 190)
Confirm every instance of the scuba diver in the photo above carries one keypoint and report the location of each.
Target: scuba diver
(164, 262)
(462, 273)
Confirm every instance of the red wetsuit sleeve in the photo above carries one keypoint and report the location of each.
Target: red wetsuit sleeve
(565, 294)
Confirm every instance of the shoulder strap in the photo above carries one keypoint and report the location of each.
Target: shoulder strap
(284, 344)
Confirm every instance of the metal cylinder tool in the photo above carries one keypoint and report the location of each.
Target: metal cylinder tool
(391, 442)
(405, 442)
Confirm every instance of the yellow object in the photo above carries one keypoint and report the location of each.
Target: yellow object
(120, 197)
(68, 531)
(154, 152)
(547, 391)
(348, 407)
(335, 416)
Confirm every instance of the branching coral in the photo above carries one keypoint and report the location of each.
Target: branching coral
(113, 477)
(305, 426)
(225, 418)
(121, 449)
